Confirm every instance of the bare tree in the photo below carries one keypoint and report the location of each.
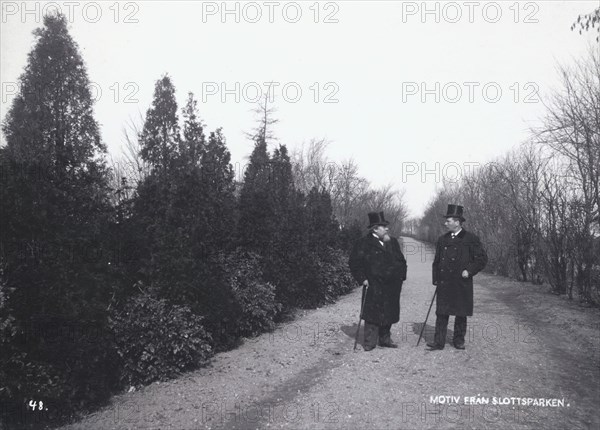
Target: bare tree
(128, 169)
(536, 209)
(312, 167)
(555, 224)
(348, 189)
(265, 114)
(572, 131)
(135, 166)
(352, 197)
(386, 198)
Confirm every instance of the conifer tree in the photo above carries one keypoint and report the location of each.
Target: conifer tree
(323, 229)
(194, 141)
(54, 214)
(217, 184)
(185, 210)
(282, 184)
(158, 214)
(256, 207)
(160, 139)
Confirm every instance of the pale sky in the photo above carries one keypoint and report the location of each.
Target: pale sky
(491, 65)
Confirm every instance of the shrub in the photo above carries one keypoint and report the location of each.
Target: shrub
(255, 297)
(307, 279)
(348, 235)
(54, 360)
(293, 271)
(157, 341)
(334, 274)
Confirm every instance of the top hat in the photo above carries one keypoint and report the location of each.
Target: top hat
(376, 218)
(455, 211)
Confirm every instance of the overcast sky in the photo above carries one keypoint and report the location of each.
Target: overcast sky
(412, 91)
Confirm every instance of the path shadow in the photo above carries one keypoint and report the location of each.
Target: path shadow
(429, 332)
(350, 331)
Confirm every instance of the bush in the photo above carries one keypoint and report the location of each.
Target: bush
(255, 297)
(293, 271)
(158, 341)
(348, 236)
(307, 279)
(54, 360)
(334, 274)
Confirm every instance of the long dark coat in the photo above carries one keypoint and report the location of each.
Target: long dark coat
(452, 256)
(385, 269)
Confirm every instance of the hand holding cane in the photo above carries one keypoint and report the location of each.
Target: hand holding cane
(362, 306)
(427, 317)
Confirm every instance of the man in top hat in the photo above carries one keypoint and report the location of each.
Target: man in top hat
(378, 264)
(459, 256)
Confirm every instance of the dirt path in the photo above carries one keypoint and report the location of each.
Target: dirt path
(522, 342)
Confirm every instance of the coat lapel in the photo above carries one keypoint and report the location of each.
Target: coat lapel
(374, 242)
(460, 235)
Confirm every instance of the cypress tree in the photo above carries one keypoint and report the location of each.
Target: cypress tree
(55, 210)
(323, 229)
(160, 139)
(218, 188)
(194, 141)
(256, 207)
(158, 214)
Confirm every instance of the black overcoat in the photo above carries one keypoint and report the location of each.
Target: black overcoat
(452, 256)
(385, 269)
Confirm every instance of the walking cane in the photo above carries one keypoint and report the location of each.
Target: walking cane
(362, 305)
(427, 317)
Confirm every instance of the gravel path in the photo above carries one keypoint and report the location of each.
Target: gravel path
(522, 343)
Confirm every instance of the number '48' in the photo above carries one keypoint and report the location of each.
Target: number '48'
(33, 404)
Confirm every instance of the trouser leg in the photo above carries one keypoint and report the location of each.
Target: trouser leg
(460, 328)
(384, 334)
(371, 335)
(441, 326)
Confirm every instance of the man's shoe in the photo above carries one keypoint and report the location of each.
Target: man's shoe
(368, 348)
(434, 347)
(388, 345)
(459, 345)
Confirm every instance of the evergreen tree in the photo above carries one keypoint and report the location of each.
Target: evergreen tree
(55, 210)
(160, 146)
(282, 184)
(290, 264)
(213, 239)
(158, 215)
(194, 141)
(323, 229)
(349, 234)
(256, 207)
(218, 188)
(160, 139)
(185, 210)
(585, 21)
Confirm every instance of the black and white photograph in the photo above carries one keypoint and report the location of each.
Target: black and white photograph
(292, 215)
